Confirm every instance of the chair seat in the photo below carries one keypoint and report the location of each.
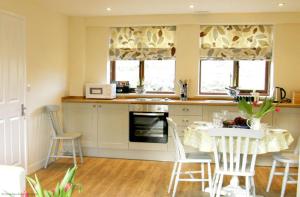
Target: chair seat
(68, 135)
(286, 157)
(198, 156)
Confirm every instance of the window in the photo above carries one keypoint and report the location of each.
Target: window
(158, 76)
(127, 70)
(247, 75)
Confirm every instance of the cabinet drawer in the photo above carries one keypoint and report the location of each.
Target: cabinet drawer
(184, 121)
(184, 110)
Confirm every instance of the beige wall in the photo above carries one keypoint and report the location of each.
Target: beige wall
(47, 66)
(286, 62)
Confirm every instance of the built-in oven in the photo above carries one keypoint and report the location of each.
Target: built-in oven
(148, 123)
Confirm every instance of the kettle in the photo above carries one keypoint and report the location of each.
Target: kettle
(279, 94)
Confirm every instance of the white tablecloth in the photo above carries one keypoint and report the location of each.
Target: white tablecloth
(197, 136)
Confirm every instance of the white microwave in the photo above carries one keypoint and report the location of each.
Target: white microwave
(100, 91)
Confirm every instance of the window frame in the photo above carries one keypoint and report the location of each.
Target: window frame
(141, 76)
(235, 80)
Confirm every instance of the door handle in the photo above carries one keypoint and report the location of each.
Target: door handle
(23, 110)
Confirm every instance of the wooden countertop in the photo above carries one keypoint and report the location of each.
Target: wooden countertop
(73, 99)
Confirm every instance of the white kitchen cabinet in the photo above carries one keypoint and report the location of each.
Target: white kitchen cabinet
(113, 126)
(183, 116)
(82, 117)
(185, 110)
(101, 125)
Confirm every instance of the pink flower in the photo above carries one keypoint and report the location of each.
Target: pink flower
(277, 109)
(255, 103)
(25, 194)
(68, 187)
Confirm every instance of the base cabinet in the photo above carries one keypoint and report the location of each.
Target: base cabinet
(113, 126)
(82, 118)
(105, 129)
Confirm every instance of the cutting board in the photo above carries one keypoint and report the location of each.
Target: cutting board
(296, 97)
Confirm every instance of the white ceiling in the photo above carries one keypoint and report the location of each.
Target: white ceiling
(143, 7)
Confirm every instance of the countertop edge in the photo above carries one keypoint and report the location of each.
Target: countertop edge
(75, 99)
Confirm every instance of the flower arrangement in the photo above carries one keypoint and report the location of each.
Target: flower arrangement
(266, 107)
(63, 189)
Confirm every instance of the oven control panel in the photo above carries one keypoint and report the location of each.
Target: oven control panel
(148, 108)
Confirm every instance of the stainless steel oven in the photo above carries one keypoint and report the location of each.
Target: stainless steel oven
(148, 123)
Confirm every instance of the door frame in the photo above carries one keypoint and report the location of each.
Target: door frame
(24, 118)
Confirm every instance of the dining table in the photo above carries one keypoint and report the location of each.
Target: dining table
(275, 140)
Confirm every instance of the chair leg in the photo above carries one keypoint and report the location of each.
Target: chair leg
(80, 150)
(220, 185)
(271, 175)
(176, 179)
(247, 186)
(172, 176)
(74, 152)
(209, 179)
(202, 176)
(56, 148)
(285, 178)
(253, 186)
(49, 153)
(215, 184)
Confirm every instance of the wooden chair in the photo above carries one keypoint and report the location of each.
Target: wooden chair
(182, 158)
(58, 135)
(286, 159)
(231, 147)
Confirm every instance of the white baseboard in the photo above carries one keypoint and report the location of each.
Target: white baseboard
(35, 166)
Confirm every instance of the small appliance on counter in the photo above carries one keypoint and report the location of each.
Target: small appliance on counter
(279, 94)
(100, 91)
(122, 87)
(183, 90)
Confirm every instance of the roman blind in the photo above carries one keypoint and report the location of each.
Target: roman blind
(236, 42)
(141, 43)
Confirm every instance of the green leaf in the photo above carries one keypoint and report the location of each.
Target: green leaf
(68, 178)
(38, 187)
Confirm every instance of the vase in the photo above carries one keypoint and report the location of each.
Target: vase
(254, 123)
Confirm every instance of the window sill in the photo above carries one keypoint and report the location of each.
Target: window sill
(146, 95)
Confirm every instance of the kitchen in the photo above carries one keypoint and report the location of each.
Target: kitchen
(72, 50)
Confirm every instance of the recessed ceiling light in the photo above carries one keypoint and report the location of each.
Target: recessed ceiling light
(281, 4)
(192, 6)
(108, 9)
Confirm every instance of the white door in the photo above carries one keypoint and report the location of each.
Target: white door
(12, 80)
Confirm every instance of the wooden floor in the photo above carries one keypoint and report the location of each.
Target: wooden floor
(136, 178)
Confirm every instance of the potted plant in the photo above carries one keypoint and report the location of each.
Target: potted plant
(255, 112)
(63, 189)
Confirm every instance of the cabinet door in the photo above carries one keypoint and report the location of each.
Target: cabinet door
(81, 117)
(113, 126)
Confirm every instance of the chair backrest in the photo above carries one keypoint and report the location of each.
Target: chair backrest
(180, 152)
(296, 150)
(232, 144)
(52, 111)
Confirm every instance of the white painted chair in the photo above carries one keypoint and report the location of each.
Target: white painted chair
(231, 151)
(182, 157)
(58, 135)
(286, 159)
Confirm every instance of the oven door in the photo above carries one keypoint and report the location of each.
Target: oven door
(148, 127)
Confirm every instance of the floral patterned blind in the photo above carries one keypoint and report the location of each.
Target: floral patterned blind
(140, 43)
(236, 42)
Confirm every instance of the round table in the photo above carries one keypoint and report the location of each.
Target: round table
(275, 140)
(196, 136)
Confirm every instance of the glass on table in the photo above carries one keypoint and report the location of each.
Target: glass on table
(217, 119)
